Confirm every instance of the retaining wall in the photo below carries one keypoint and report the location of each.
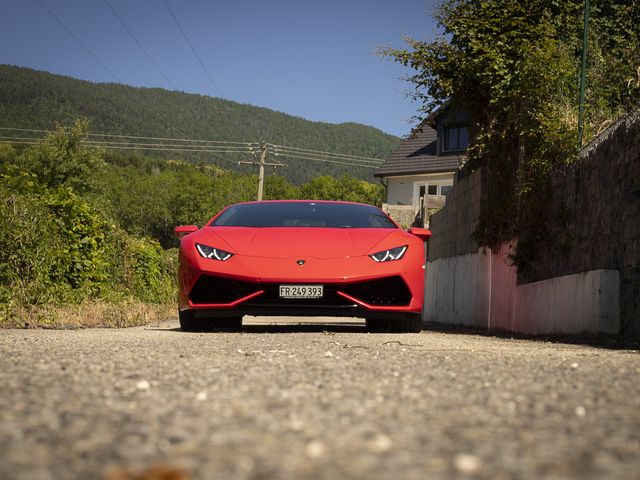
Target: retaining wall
(593, 253)
(480, 290)
(594, 216)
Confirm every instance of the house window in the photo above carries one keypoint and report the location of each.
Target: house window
(425, 190)
(456, 137)
(436, 189)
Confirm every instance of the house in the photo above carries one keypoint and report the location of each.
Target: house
(420, 171)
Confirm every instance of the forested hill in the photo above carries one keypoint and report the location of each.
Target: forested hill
(37, 100)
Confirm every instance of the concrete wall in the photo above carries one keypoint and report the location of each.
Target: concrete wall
(457, 290)
(503, 292)
(594, 217)
(592, 250)
(580, 303)
(480, 290)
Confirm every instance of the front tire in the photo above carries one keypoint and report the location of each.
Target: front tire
(397, 325)
(189, 323)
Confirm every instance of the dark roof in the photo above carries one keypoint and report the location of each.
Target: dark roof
(417, 154)
(433, 116)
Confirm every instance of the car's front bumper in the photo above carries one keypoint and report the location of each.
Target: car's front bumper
(211, 289)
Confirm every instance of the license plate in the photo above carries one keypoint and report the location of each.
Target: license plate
(301, 291)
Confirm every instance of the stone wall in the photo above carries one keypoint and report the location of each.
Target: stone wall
(594, 216)
(453, 224)
(593, 223)
(403, 215)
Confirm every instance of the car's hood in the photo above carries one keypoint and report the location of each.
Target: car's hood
(300, 241)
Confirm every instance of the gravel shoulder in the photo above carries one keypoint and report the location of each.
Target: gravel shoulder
(310, 400)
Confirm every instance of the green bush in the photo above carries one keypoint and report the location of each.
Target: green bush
(55, 248)
(149, 270)
(30, 249)
(59, 247)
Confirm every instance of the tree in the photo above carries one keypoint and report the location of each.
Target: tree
(62, 160)
(514, 66)
(345, 188)
(277, 187)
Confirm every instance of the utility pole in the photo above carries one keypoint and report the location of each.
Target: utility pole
(262, 163)
(263, 156)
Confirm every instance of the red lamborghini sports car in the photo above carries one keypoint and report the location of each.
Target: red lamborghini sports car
(311, 258)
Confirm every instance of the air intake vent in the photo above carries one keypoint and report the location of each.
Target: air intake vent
(391, 291)
(217, 290)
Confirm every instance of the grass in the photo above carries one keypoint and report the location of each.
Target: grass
(88, 314)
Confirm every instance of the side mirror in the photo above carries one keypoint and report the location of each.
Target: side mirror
(421, 233)
(184, 230)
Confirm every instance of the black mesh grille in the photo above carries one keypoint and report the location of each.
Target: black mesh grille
(390, 291)
(220, 290)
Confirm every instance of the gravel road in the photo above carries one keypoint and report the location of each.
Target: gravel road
(313, 401)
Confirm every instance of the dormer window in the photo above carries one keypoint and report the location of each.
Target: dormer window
(456, 138)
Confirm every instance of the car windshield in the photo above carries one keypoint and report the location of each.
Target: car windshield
(303, 214)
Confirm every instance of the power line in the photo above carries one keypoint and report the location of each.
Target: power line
(210, 146)
(192, 48)
(275, 149)
(186, 148)
(327, 161)
(327, 157)
(181, 148)
(161, 149)
(79, 41)
(139, 44)
(336, 156)
(142, 148)
(323, 157)
(306, 150)
(136, 137)
(138, 146)
(194, 149)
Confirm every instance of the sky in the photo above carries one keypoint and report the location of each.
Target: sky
(309, 58)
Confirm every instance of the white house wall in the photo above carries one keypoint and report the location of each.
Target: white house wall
(401, 190)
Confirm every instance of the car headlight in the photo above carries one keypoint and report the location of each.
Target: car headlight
(213, 253)
(389, 255)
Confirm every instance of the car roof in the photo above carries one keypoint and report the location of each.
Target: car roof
(335, 202)
(327, 202)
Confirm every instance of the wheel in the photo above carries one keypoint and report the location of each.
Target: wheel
(409, 325)
(187, 322)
